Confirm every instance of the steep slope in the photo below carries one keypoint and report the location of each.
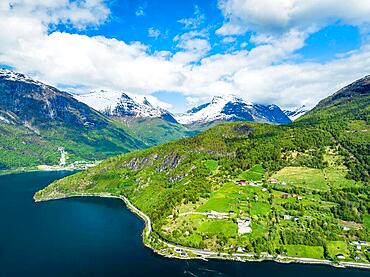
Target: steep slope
(291, 190)
(36, 119)
(155, 131)
(152, 124)
(123, 106)
(230, 109)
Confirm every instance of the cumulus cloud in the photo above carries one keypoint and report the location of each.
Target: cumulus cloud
(267, 73)
(279, 16)
(195, 21)
(78, 14)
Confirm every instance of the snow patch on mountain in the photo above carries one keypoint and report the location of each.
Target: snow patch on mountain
(101, 100)
(296, 113)
(232, 108)
(122, 105)
(15, 76)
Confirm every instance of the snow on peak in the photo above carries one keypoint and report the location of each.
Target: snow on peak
(10, 75)
(100, 100)
(232, 108)
(211, 111)
(121, 104)
(296, 113)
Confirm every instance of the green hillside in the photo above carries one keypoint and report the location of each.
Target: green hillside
(303, 189)
(154, 131)
(22, 147)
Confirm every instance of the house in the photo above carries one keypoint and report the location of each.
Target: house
(341, 256)
(299, 197)
(358, 247)
(287, 217)
(285, 195)
(264, 189)
(357, 257)
(243, 226)
(346, 228)
(231, 212)
(241, 182)
(252, 184)
(240, 249)
(273, 181)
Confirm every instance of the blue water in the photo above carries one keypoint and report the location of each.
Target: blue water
(100, 237)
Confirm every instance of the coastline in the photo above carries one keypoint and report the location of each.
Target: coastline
(206, 254)
(31, 169)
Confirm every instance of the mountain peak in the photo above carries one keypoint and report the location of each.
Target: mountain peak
(232, 108)
(124, 106)
(296, 113)
(10, 75)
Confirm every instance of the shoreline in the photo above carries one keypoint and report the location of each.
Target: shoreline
(206, 254)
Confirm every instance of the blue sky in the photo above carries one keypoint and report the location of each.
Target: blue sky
(287, 52)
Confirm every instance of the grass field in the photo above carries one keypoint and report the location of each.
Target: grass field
(211, 164)
(223, 200)
(366, 220)
(259, 208)
(215, 227)
(337, 247)
(316, 252)
(302, 176)
(254, 174)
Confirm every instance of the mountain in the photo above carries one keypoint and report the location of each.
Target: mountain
(230, 109)
(299, 190)
(122, 106)
(151, 124)
(36, 119)
(296, 113)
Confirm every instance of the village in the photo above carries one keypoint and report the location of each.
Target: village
(74, 166)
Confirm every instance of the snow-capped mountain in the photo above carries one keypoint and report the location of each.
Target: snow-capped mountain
(10, 75)
(232, 108)
(294, 114)
(123, 106)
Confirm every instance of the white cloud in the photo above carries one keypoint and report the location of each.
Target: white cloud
(154, 33)
(266, 73)
(195, 21)
(140, 11)
(193, 45)
(79, 14)
(156, 102)
(279, 16)
(228, 40)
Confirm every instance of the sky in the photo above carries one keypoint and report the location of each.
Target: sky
(182, 53)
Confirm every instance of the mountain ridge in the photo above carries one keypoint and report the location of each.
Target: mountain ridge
(231, 108)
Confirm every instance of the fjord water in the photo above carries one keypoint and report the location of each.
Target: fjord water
(99, 237)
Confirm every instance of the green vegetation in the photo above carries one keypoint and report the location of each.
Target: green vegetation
(23, 147)
(315, 252)
(301, 176)
(317, 206)
(154, 131)
(335, 248)
(211, 164)
(366, 220)
(254, 174)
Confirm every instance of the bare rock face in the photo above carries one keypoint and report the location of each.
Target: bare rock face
(358, 88)
(39, 104)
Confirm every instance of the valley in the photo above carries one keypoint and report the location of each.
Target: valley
(296, 191)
